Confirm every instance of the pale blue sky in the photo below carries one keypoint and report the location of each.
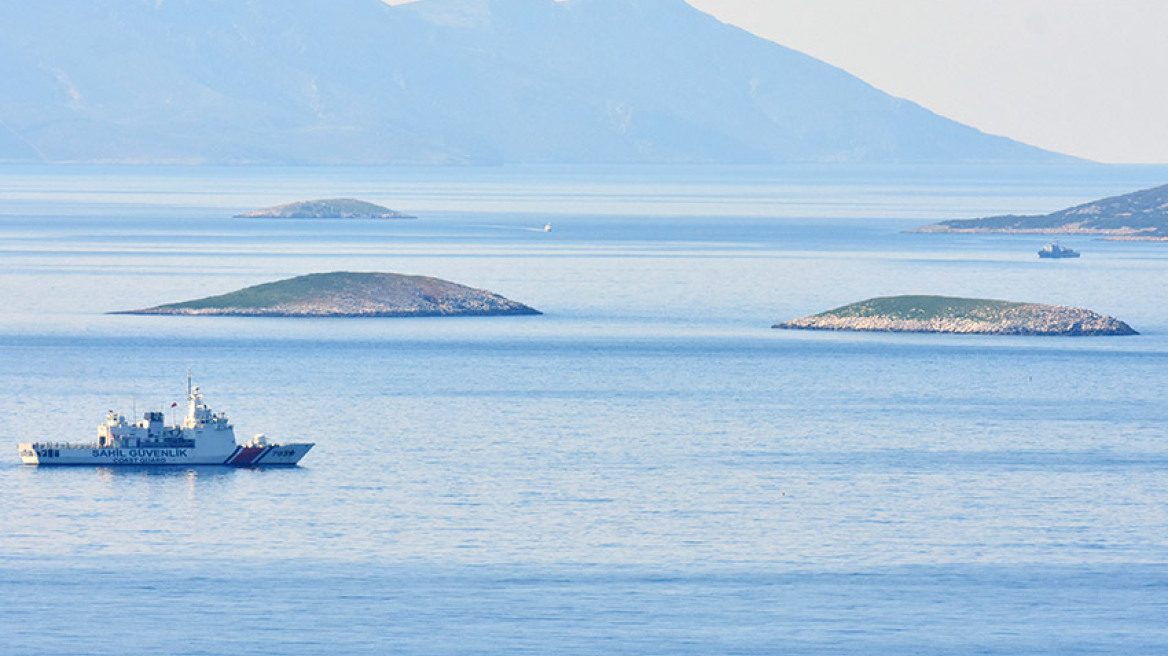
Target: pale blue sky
(1083, 77)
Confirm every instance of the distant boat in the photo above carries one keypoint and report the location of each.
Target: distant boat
(547, 228)
(1053, 250)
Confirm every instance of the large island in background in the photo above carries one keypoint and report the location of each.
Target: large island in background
(973, 316)
(1141, 215)
(442, 82)
(348, 294)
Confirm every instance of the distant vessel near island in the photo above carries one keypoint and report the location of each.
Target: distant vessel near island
(203, 438)
(349, 294)
(972, 316)
(328, 208)
(1056, 252)
(1138, 216)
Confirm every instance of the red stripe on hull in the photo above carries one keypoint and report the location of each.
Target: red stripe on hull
(267, 450)
(233, 453)
(247, 454)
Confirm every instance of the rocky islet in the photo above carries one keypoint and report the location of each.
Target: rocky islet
(941, 314)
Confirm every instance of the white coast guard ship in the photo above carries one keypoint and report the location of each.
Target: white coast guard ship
(203, 438)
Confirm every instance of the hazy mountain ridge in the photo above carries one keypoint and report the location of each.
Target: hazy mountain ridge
(440, 82)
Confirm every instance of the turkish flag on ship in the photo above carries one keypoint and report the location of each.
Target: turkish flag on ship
(174, 404)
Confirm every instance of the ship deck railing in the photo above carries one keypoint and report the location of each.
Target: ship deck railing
(173, 444)
(65, 445)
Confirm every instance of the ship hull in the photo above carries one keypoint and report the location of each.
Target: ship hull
(45, 455)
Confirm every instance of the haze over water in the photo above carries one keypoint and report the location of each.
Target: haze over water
(646, 469)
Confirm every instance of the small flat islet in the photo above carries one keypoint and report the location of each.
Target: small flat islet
(972, 316)
(326, 208)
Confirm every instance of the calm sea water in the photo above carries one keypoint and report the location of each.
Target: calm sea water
(648, 468)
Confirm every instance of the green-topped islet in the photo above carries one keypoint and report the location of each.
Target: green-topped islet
(349, 294)
(973, 316)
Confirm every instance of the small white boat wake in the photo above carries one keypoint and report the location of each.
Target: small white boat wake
(546, 228)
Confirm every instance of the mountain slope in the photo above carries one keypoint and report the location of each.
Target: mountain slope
(1139, 215)
(439, 82)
